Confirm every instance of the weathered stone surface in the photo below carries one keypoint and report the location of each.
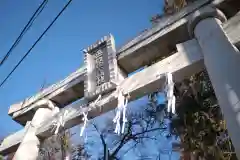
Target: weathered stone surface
(232, 29)
(29, 147)
(11, 143)
(222, 60)
(102, 71)
(159, 41)
(77, 84)
(62, 93)
(154, 43)
(184, 63)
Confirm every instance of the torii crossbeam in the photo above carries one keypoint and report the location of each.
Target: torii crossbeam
(106, 69)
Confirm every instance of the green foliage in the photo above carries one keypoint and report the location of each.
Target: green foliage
(200, 124)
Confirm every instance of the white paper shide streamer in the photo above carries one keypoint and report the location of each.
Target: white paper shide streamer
(85, 114)
(121, 110)
(60, 122)
(169, 88)
(85, 119)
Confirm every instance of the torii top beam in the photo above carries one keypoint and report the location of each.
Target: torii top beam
(154, 43)
(187, 60)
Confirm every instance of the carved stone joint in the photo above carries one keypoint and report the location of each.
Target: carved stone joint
(206, 12)
(45, 103)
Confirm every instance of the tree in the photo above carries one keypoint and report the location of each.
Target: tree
(79, 153)
(56, 147)
(199, 122)
(170, 7)
(140, 129)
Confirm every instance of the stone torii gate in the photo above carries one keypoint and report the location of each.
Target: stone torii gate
(197, 37)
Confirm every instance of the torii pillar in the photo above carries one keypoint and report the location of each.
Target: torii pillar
(222, 61)
(29, 147)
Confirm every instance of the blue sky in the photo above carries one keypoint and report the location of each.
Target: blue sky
(59, 52)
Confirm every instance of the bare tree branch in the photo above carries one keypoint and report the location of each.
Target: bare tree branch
(105, 149)
(130, 148)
